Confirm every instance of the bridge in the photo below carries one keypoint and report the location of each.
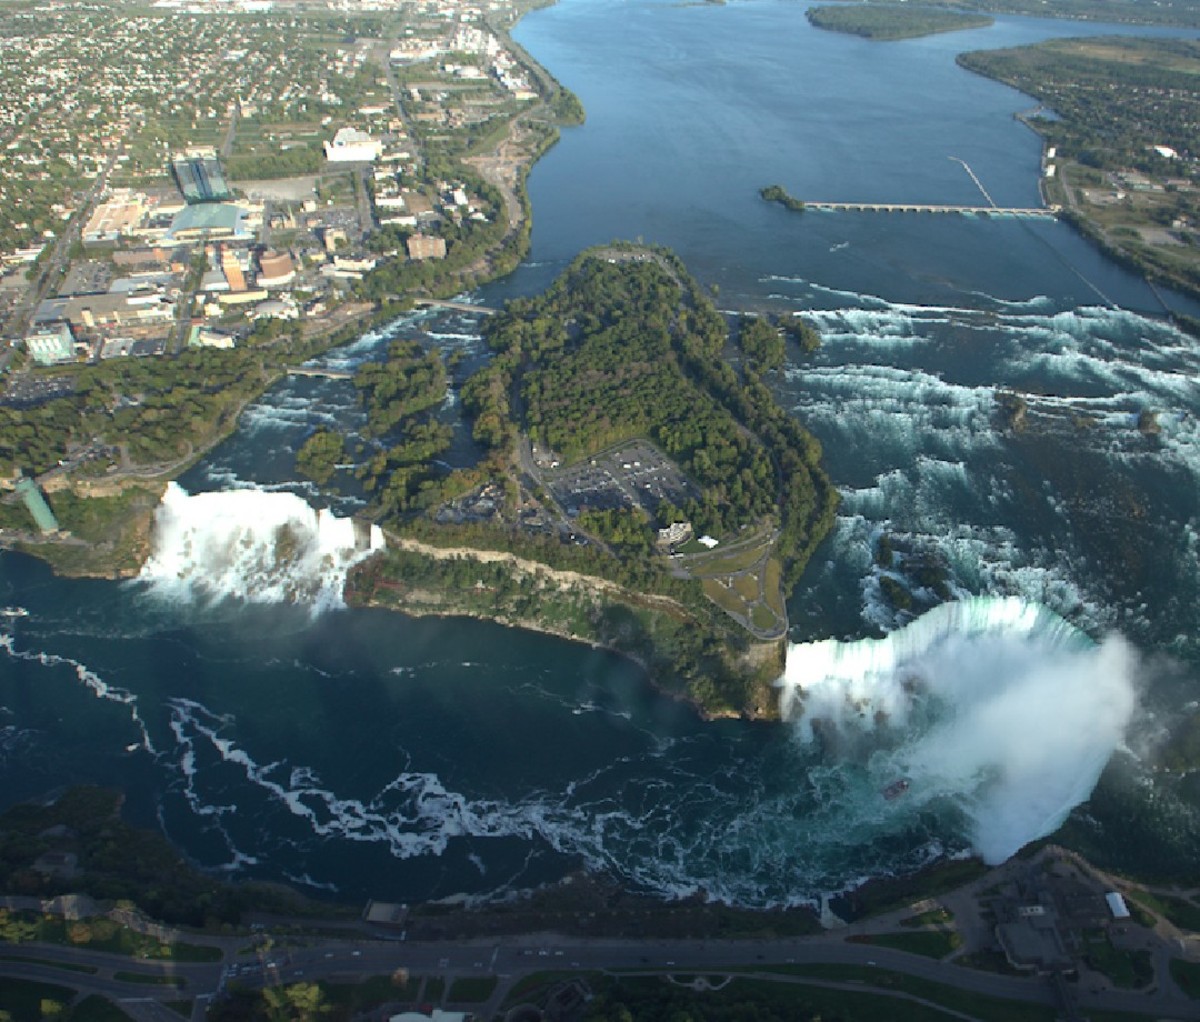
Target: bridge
(1040, 212)
(327, 374)
(437, 303)
(991, 209)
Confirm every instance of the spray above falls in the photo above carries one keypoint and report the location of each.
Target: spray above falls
(253, 545)
(996, 705)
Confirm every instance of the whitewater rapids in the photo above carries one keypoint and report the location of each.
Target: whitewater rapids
(998, 705)
(248, 544)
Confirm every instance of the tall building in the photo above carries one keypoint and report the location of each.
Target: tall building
(51, 344)
(200, 176)
(232, 268)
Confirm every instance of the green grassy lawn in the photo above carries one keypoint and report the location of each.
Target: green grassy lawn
(358, 997)
(726, 599)
(104, 935)
(1182, 913)
(1130, 970)
(753, 997)
(762, 617)
(96, 1009)
(471, 989)
(746, 586)
(535, 981)
(23, 999)
(988, 1009)
(930, 943)
(773, 587)
(1187, 976)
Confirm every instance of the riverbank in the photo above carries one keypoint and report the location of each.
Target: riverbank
(423, 580)
(1132, 195)
(888, 24)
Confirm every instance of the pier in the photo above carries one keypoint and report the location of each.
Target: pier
(1039, 212)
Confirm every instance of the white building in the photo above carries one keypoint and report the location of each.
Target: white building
(350, 145)
(51, 344)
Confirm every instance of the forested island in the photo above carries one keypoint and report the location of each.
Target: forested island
(636, 490)
(777, 193)
(1121, 142)
(884, 22)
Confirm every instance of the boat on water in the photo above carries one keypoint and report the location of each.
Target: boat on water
(12, 612)
(896, 788)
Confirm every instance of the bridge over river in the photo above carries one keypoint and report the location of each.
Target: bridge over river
(991, 209)
(327, 374)
(437, 303)
(1040, 212)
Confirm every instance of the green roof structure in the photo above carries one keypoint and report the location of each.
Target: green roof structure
(209, 220)
(36, 503)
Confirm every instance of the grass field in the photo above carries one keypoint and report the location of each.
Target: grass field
(1187, 976)
(471, 989)
(988, 1009)
(1130, 970)
(930, 943)
(24, 999)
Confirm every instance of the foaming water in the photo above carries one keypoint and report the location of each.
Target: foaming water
(996, 704)
(253, 545)
(88, 678)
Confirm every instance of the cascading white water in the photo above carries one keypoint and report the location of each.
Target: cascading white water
(252, 545)
(997, 704)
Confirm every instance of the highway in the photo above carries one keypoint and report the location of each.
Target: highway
(513, 957)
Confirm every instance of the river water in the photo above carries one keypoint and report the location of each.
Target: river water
(272, 734)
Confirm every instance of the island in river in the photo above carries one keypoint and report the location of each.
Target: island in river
(637, 491)
(885, 22)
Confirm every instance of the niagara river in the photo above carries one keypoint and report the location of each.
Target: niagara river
(1047, 635)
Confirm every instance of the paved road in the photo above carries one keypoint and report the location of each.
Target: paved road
(60, 253)
(514, 957)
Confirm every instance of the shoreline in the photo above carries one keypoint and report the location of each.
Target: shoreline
(419, 602)
(1083, 224)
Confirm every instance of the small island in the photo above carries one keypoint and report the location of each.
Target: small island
(887, 23)
(777, 193)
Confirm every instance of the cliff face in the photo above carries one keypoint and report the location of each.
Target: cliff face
(681, 655)
(106, 528)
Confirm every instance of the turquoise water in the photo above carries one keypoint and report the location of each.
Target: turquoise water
(372, 755)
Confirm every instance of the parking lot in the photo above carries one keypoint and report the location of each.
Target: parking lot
(26, 391)
(636, 474)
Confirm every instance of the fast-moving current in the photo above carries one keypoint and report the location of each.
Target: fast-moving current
(992, 643)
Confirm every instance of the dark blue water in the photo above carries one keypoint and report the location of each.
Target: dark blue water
(379, 756)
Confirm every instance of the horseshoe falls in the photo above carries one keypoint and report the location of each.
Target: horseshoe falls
(993, 703)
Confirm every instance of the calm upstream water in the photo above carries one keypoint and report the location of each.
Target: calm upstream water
(272, 734)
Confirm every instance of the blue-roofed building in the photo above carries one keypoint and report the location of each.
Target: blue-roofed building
(201, 178)
(209, 221)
